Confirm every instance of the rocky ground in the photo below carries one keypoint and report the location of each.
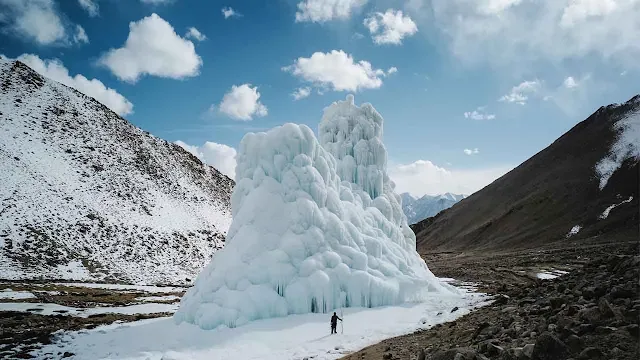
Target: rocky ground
(590, 313)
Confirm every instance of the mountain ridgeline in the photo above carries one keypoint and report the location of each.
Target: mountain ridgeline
(556, 198)
(86, 195)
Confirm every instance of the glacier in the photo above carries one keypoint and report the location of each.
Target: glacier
(316, 226)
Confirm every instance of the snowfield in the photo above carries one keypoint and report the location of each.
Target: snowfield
(291, 337)
(16, 295)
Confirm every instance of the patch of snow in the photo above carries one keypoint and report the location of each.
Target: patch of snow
(447, 280)
(316, 226)
(574, 230)
(292, 337)
(464, 285)
(158, 298)
(552, 274)
(16, 295)
(546, 276)
(122, 287)
(606, 211)
(54, 293)
(55, 309)
(74, 270)
(627, 145)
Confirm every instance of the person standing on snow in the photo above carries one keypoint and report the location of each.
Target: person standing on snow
(334, 323)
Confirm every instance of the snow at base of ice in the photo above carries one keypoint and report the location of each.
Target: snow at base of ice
(16, 295)
(316, 226)
(627, 145)
(55, 309)
(292, 337)
(605, 213)
(574, 230)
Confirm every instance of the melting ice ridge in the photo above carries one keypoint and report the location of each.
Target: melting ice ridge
(316, 226)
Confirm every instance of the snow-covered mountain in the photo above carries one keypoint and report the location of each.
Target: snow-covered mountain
(86, 195)
(417, 209)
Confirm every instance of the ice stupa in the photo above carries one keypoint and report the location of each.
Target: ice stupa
(316, 226)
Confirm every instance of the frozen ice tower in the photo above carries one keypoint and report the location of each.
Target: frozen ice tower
(316, 226)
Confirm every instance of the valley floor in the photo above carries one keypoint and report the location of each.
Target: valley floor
(590, 312)
(583, 302)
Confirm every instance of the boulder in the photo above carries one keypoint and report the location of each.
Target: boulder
(527, 350)
(590, 353)
(575, 343)
(549, 347)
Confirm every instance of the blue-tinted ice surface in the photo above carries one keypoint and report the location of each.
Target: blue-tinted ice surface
(316, 226)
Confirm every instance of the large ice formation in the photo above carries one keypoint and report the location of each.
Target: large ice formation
(316, 226)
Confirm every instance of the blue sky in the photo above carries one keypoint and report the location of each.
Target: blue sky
(476, 88)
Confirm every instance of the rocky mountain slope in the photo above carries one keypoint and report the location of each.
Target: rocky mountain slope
(86, 195)
(417, 209)
(583, 187)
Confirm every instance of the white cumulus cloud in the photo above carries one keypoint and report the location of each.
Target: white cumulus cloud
(573, 95)
(156, 2)
(479, 114)
(152, 48)
(195, 34)
(390, 27)
(80, 36)
(90, 6)
(492, 7)
(521, 32)
(424, 177)
(519, 93)
(337, 70)
(392, 70)
(580, 10)
(220, 156)
(326, 10)
(55, 70)
(570, 82)
(228, 12)
(242, 103)
(471, 151)
(301, 93)
(36, 20)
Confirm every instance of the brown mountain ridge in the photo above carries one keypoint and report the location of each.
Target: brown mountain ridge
(540, 201)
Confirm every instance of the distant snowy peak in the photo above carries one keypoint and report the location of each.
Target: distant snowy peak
(86, 195)
(417, 209)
